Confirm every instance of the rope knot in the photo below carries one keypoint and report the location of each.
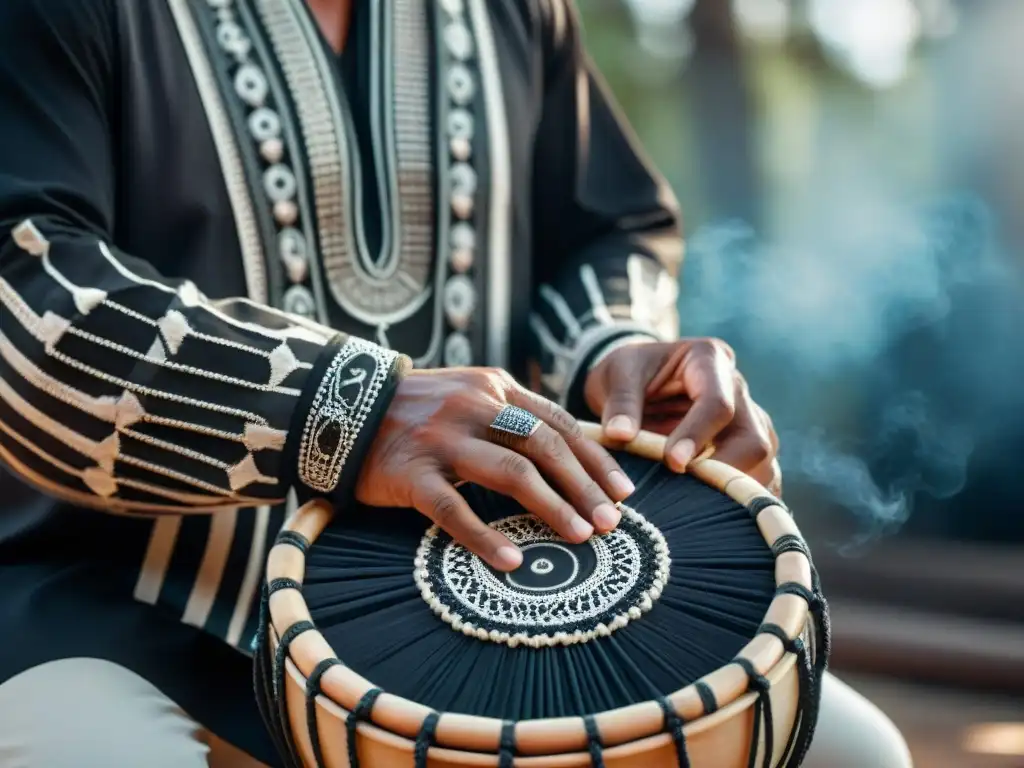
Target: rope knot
(790, 644)
(756, 681)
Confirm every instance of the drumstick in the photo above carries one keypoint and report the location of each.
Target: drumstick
(649, 445)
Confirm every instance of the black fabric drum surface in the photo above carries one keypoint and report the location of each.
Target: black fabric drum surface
(362, 596)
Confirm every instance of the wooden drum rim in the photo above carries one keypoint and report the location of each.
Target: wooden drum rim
(402, 717)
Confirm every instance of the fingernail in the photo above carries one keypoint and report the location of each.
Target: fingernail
(508, 558)
(681, 454)
(621, 485)
(582, 528)
(621, 428)
(606, 517)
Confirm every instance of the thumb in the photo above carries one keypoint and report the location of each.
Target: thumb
(625, 389)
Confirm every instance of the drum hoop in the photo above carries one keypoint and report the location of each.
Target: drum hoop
(728, 685)
(570, 759)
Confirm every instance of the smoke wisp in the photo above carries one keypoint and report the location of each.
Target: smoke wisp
(883, 343)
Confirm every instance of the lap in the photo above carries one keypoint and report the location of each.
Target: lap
(84, 610)
(213, 682)
(82, 712)
(853, 733)
(85, 712)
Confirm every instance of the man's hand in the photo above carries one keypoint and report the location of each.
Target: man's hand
(436, 433)
(691, 391)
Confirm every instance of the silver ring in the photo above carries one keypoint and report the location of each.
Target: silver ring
(513, 425)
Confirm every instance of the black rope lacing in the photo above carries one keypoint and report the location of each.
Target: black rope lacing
(822, 638)
(759, 684)
(263, 683)
(283, 736)
(294, 538)
(269, 671)
(507, 746)
(312, 691)
(280, 669)
(278, 584)
(361, 712)
(759, 504)
(425, 739)
(790, 542)
(805, 684)
(810, 672)
(707, 697)
(594, 745)
(674, 725)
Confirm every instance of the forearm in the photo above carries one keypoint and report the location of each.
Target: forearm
(607, 243)
(131, 393)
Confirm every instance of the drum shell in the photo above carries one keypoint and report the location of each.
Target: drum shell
(633, 735)
(720, 740)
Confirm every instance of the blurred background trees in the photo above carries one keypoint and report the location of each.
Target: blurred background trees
(851, 177)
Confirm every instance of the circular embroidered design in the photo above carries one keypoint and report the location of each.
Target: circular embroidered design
(562, 593)
(458, 351)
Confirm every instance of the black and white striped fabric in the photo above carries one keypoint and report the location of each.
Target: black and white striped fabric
(179, 405)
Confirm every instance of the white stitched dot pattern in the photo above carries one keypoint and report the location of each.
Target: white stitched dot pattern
(562, 593)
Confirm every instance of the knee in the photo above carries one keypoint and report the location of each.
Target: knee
(854, 733)
(87, 712)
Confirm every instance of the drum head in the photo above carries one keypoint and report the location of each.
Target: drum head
(673, 594)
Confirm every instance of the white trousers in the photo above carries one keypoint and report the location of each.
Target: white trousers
(86, 713)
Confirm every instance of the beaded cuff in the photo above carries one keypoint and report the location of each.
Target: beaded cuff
(351, 389)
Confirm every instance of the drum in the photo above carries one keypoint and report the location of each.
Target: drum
(695, 634)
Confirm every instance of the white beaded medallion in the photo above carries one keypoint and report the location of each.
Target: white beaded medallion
(562, 594)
